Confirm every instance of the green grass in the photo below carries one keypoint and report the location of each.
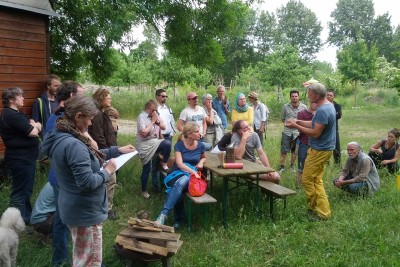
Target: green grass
(362, 232)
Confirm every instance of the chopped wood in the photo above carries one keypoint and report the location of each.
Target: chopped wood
(146, 228)
(150, 235)
(165, 228)
(129, 242)
(129, 246)
(173, 247)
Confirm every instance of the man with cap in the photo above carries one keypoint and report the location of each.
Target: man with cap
(196, 114)
(261, 113)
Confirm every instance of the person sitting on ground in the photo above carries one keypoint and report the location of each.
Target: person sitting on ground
(359, 174)
(44, 210)
(242, 110)
(150, 143)
(189, 158)
(245, 142)
(386, 153)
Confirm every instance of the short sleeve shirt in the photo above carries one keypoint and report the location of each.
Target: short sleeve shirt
(190, 156)
(289, 112)
(325, 115)
(304, 115)
(260, 115)
(143, 121)
(252, 144)
(197, 116)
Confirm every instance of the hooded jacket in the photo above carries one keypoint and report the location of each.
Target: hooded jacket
(82, 196)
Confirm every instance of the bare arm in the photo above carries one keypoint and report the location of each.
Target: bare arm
(263, 157)
(37, 127)
(376, 147)
(180, 124)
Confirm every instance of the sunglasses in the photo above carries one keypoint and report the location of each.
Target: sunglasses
(163, 96)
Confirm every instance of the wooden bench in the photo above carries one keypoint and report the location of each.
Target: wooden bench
(205, 200)
(274, 191)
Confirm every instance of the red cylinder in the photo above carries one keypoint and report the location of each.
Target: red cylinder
(236, 165)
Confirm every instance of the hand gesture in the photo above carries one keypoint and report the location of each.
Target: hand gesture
(291, 123)
(111, 166)
(199, 166)
(126, 149)
(154, 116)
(246, 135)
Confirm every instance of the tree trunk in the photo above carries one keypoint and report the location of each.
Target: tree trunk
(355, 94)
(279, 93)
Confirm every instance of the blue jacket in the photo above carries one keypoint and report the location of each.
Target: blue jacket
(82, 196)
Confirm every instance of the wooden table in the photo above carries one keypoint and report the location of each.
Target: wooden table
(249, 168)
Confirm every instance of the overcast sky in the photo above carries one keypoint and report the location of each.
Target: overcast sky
(323, 10)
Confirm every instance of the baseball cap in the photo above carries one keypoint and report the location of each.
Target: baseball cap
(191, 95)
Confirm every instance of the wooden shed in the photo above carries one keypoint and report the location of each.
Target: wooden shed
(24, 48)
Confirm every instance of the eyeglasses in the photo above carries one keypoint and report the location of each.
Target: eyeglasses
(163, 96)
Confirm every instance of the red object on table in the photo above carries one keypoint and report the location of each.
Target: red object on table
(236, 165)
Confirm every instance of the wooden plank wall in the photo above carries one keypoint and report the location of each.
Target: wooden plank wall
(23, 54)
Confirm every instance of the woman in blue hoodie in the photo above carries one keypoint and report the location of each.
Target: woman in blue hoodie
(82, 181)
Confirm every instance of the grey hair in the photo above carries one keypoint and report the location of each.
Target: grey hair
(80, 103)
(318, 88)
(354, 143)
(10, 94)
(204, 98)
(221, 86)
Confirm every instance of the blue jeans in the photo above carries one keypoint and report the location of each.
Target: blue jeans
(207, 145)
(23, 180)
(355, 188)
(165, 149)
(175, 199)
(60, 237)
(301, 156)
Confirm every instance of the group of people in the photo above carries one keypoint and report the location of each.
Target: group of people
(79, 134)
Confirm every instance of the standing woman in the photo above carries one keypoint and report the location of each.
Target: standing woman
(82, 199)
(20, 137)
(242, 110)
(386, 153)
(189, 157)
(149, 143)
(214, 123)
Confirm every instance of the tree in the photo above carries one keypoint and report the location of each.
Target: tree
(283, 68)
(351, 20)
(382, 36)
(265, 33)
(298, 26)
(357, 63)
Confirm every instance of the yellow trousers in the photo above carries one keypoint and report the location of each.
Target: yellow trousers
(314, 169)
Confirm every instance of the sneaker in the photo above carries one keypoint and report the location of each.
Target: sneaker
(112, 215)
(160, 219)
(145, 194)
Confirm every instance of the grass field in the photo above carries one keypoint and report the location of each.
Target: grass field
(362, 231)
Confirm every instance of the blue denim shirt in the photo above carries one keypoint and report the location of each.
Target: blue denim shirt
(219, 108)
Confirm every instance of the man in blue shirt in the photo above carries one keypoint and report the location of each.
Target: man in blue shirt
(322, 133)
(222, 106)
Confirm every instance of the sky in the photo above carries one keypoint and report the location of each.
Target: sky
(323, 10)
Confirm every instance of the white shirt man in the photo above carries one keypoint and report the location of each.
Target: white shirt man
(166, 114)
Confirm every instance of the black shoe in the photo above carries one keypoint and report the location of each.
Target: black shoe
(112, 215)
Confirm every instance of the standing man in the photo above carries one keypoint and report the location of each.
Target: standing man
(261, 113)
(321, 131)
(289, 135)
(46, 103)
(222, 106)
(196, 114)
(330, 95)
(166, 114)
(359, 174)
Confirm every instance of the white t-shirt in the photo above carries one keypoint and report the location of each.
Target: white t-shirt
(194, 115)
(168, 118)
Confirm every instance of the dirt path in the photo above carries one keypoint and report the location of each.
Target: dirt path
(127, 127)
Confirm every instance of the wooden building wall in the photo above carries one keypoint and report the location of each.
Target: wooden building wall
(24, 58)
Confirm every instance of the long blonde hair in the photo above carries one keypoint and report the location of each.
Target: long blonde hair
(188, 128)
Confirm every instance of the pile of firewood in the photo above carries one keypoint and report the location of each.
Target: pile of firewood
(145, 236)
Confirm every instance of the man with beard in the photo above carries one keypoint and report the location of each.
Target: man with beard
(359, 174)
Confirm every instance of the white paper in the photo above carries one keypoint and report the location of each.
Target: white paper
(122, 159)
(215, 150)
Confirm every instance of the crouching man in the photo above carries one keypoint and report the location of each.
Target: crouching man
(359, 174)
(246, 142)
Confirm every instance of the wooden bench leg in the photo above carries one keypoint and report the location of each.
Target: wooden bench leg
(190, 215)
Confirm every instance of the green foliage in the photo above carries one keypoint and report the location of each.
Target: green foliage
(357, 63)
(299, 27)
(351, 20)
